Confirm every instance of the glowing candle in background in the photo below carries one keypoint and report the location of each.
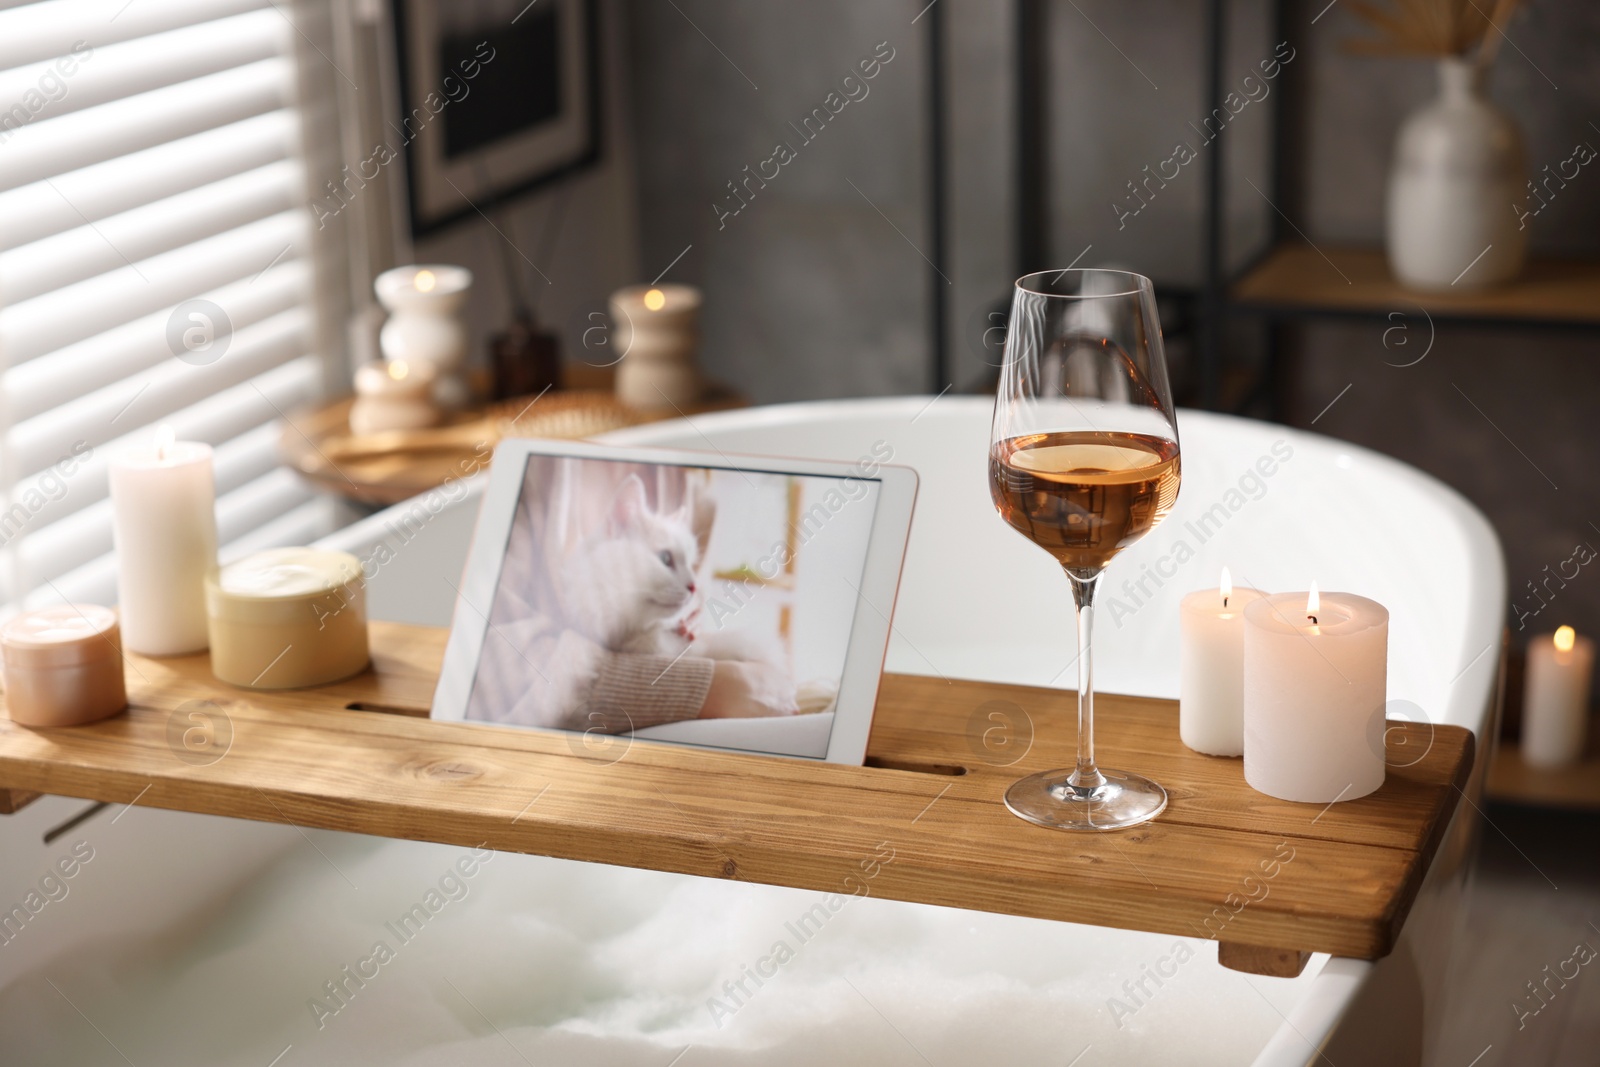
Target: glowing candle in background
(393, 395)
(164, 526)
(425, 326)
(1211, 667)
(656, 338)
(1315, 687)
(1555, 701)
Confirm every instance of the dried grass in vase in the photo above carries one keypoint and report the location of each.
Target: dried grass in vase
(1433, 28)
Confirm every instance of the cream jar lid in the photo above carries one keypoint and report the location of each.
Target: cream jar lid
(69, 635)
(264, 585)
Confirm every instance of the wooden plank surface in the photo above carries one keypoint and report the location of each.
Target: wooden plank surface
(1575, 785)
(1222, 861)
(1358, 280)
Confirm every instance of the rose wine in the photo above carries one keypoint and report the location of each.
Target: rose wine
(1083, 496)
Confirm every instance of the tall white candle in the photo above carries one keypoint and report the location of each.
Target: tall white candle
(1315, 681)
(1555, 701)
(163, 519)
(1211, 668)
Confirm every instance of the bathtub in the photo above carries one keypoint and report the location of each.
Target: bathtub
(185, 939)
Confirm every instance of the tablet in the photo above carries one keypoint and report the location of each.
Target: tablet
(728, 602)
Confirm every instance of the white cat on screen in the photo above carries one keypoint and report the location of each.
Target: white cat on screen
(657, 599)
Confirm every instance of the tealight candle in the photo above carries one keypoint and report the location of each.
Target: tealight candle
(1555, 702)
(1315, 682)
(393, 395)
(1211, 668)
(164, 526)
(285, 618)
(658, 334)
(63, 666)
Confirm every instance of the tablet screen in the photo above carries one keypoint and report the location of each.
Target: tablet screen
(704, 605)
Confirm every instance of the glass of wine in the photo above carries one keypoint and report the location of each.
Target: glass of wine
(1083, 461)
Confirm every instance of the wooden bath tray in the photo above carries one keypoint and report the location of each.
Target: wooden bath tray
(924, 821)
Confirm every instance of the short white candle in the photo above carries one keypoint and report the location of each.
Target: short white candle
(1315, 682)
(393, 395)
(1211, 668)
(1555, 701)
(164, 526)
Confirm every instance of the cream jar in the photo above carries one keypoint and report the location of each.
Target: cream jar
(63, 666)
(287, 618)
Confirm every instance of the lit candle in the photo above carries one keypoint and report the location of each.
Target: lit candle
(164, 526)
(393, 395)
(1555, 701)
(1315, 683)
(1211, 668)
(425, 323)
(63, 666)
(657, 337)
(285, 618)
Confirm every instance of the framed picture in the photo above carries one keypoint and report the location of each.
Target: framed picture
(497, 97)
(679, 597)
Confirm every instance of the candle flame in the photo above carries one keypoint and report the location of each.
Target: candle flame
(1565, 637)
(166, 437)
(398, 370)
(1313, 601)
(655, 300)
(425, 281)
(1225, 586)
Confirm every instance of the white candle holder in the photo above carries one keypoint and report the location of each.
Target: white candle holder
(658, 335)
(425, 326)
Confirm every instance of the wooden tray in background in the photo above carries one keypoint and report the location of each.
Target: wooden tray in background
(1270, 880)
(393, 467)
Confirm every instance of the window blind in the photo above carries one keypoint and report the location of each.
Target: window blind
(154, 176)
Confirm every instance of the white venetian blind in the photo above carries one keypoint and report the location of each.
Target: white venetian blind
(151, 154)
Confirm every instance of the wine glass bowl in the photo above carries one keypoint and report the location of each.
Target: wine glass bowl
(1084, 460)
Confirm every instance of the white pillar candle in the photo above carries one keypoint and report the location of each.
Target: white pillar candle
(1211, 668)
(164, 526)
(1555, 701)
(658, 336)
(1315, 682)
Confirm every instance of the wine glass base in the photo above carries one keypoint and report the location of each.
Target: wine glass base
(1047, 799)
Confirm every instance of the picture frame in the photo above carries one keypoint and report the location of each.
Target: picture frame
(607, 588)
(496, 98)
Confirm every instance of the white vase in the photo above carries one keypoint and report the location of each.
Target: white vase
(1458, 175)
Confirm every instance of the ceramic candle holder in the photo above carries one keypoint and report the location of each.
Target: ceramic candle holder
(287, 618)
(63, 666)
(657, 339)
(393, 395)
(425, 324)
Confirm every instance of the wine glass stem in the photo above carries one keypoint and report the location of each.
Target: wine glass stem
(1086, 776)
